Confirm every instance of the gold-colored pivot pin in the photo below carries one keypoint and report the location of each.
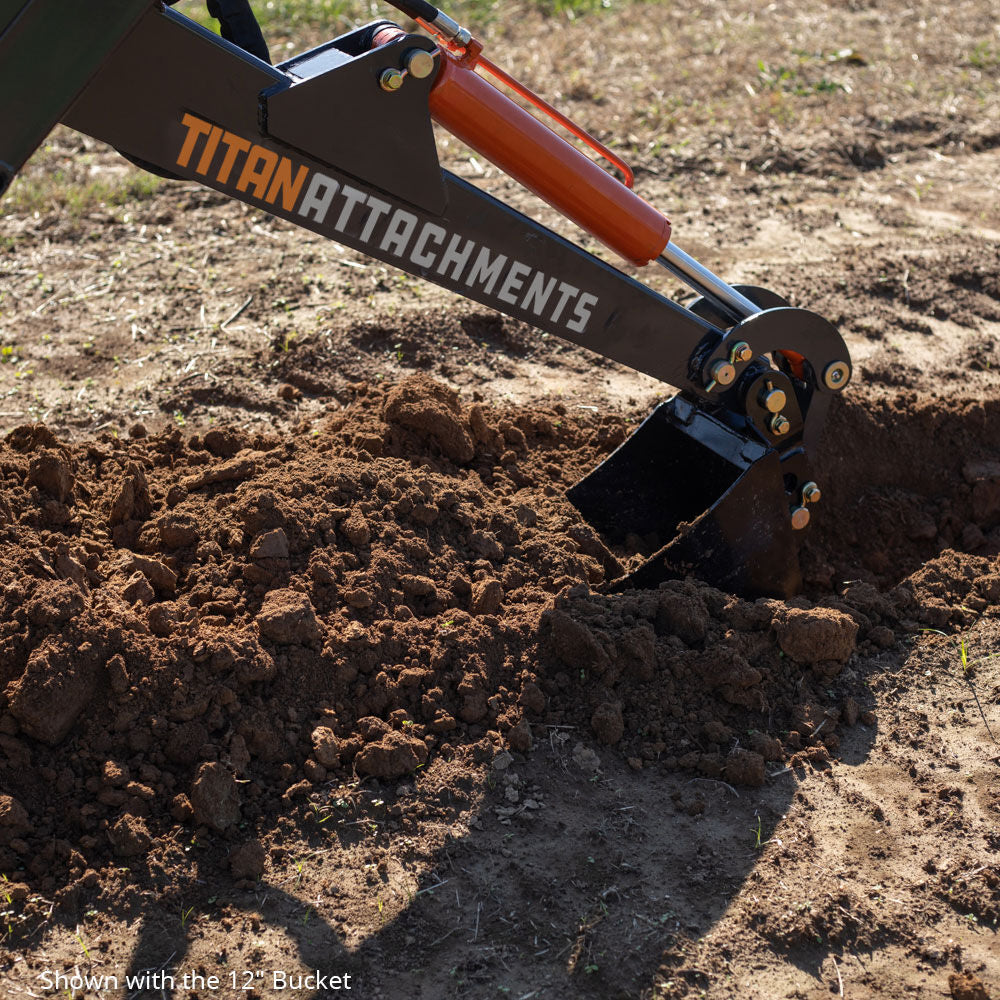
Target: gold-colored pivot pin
(419, 63)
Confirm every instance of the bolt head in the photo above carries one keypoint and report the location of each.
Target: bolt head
(722, 372)
(420, 63)
(742, 351)
(811, 493)
(780, 424)
(773, 400)
(390, 79)
(800, 518)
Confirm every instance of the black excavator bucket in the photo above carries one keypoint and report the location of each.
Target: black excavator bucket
(703, 498)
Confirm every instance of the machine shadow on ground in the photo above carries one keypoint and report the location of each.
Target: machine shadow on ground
(564, 871)
(595, 893)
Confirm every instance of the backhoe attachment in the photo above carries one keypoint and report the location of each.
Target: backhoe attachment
(339, 140)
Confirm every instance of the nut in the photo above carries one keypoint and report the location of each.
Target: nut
(811, 493)
(741, 352)
(390, 79)
(780, 424)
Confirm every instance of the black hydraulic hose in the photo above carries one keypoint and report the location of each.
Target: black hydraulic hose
(443, 25)
(239, 26)
(417, 9)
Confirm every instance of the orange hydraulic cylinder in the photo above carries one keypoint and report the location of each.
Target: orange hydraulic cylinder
(481, 116)
(472, 109)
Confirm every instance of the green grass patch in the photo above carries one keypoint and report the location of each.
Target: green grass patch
(48, 190)
(985, 56)
(791, 80)
(308, 18)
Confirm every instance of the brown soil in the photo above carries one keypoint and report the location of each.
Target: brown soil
(304, 658)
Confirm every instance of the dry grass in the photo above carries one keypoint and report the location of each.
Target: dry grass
(795, 86)
(677, 86)
(788, 86)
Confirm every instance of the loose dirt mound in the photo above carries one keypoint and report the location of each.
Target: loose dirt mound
(214, 626)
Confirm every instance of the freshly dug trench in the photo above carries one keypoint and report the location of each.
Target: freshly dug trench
(904, 478)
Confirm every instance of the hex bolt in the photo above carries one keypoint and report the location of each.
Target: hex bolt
(773, 400)
(419, 63)
(721, 373)
(800, 518)
(811, 493)
(780, 424)
(741, 352)
(836, 375)
(391, 79)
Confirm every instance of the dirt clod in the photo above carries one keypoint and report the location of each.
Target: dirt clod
(486, 597)
(56, 686)
(431, 410)
(178, 531)
(270, 545)
(13, 816)
(248, 860)
(138, 589)
(607, 723)
(745, 767)
(326, 746)
(816, 635)
(519, 737)
(215, 796)
(532, 698)
(393, 756)
(288, 617)
(984, 478)
(129, 836)
(966, 986)
(51, 474)
(132, 501)
(574, 644)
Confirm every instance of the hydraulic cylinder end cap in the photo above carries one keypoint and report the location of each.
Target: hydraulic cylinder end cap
(773, 400)
(721, 373)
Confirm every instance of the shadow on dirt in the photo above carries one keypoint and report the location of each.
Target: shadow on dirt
(577, 869)
(581, 877)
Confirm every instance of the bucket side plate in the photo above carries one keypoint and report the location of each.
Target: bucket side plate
(704, 499)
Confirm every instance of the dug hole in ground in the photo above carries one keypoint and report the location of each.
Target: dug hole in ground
(305, 666)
